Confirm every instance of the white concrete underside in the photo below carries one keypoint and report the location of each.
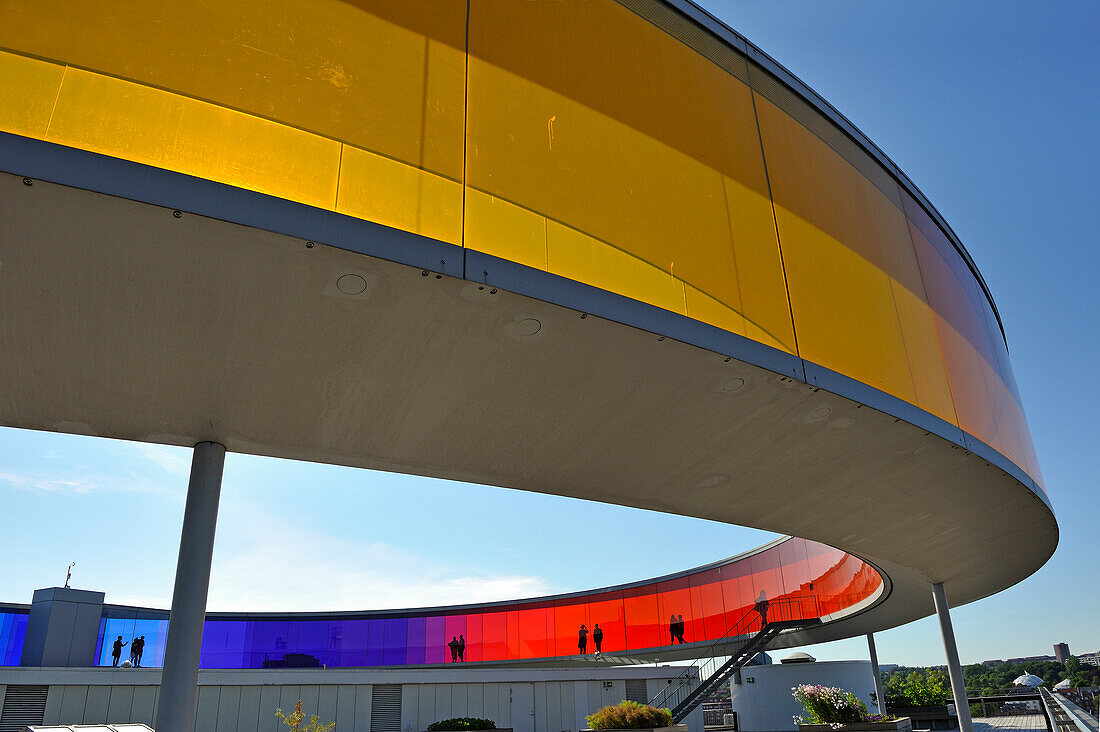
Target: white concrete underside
(120, 320)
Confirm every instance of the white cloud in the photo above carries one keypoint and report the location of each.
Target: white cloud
(51, 484)
(175, 460)
(268, 564)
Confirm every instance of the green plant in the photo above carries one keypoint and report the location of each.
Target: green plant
(829, 705)
(919, 688)
(461, 724)
(629, 715)
(296, 720)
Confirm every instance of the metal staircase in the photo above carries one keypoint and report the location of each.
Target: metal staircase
(726, 655)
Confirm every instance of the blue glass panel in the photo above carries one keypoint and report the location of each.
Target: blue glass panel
(395, 631)
(417, 633)
(376, 642)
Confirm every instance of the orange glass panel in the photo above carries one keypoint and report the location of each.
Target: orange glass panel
(607, 610)
(494, 636)
(853, 279)
(651, 163)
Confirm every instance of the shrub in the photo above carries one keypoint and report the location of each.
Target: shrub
(629, 715)
(461, 724)
(829, 705)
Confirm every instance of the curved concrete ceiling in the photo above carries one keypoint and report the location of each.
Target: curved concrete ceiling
(146, 305)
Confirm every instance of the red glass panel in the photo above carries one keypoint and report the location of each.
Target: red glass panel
(642, 625)
(494, 636)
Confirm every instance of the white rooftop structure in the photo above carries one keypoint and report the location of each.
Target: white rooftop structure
(1027, 680)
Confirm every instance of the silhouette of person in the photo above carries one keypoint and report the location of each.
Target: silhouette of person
(453, 645)
(597, 638)
(761, 607)
(116, 649)
(136, 649)
(680, 628)
(461, 648)
(671, 629)
(582, 639)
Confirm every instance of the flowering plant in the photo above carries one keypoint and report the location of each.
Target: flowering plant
(829, 705)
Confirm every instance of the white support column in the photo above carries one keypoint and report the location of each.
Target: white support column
(954, 668)
(875, 671)
(179, 680)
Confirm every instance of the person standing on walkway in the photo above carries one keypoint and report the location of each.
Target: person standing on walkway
(671, 630)
(136, 649)
(761, 607)
(116, 649)
(597, 638)
(680, 628)
(453, 645)
(461, 649)
(582, 639)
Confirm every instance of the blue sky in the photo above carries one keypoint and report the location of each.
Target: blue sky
(992, 109)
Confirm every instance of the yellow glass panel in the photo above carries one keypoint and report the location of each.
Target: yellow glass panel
(922, 350)
(847, 251)
(387, 76)
(761, 283)
(158, 128)
(843, 308)
(28, 88)
(579, 257)
(505, 230)
(397, 194)
(656, 154)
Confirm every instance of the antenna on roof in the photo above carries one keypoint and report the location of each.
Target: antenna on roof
(69, 574)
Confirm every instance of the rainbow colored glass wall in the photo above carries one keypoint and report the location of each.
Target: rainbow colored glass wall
(801, 579)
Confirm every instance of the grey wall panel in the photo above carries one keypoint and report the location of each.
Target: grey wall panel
(580, 704)
(326, 703)
(52, 714)
(206, 712)
(288, 697)
(345, 709)
(142, 708)
(540, 691)
(475, 700)
(425, 709)
(460, 701)
(265, 715)
(362, 707)
(95, 708)
(73, 702)
(85, 635)
(309, 696)
(567, 706)
(248, 709)
(120, 704)
(410, 706)
(59, 633)
(229, 707)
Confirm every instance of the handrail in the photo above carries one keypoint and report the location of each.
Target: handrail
(710, 657)
(1062, 718)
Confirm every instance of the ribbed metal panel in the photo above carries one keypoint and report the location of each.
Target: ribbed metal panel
(636, 691)
(690, 34)
(385, 708)
(23, 705)
(781, 96)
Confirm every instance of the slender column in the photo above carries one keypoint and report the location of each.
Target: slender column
(954, 668)
(179, 680)
(878, 675)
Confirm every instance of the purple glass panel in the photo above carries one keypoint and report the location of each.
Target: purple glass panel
(395, 631)
(414, 640)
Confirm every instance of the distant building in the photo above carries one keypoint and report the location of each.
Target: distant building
(1028, 659)
(1061, 652)
(1092, 659)
(994, 662)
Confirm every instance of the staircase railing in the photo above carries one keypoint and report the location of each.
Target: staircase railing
(720, 658)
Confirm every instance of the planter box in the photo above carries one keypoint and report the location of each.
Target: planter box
(673, 728)
(904, 724)
(932, 716)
